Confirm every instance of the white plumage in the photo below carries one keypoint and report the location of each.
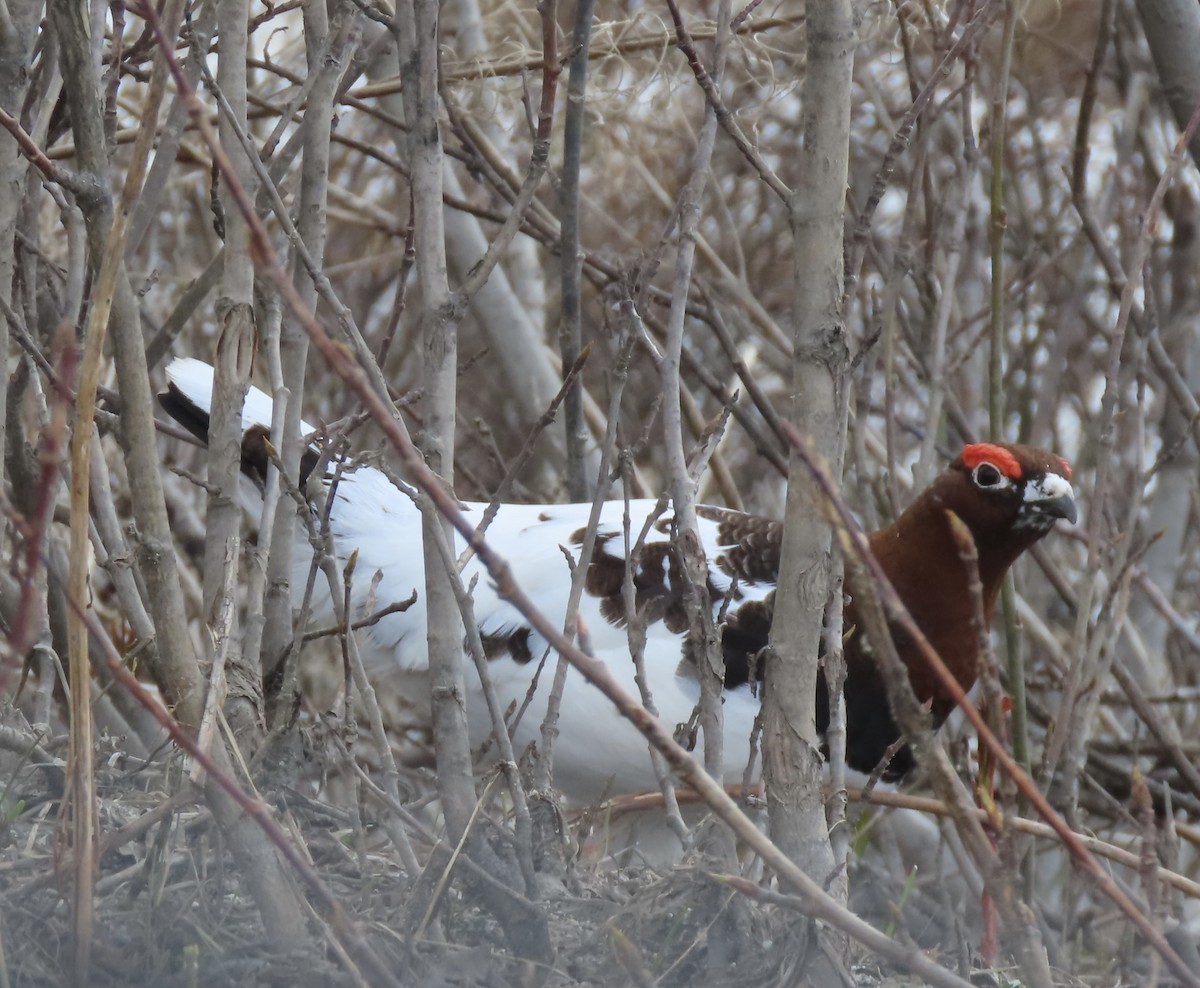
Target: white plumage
(597, 752)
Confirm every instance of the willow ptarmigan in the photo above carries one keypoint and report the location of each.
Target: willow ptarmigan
(1008, 495)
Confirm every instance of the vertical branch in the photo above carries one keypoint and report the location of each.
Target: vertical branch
(936, 359)
(702, 634)
(231, 372)
(417, 28)
(326, 62)
(543, 770)
(417, 40)
(570, 333)
(199, 33)
(1015, 659)
(1173, 34)
(999, 122)
(16, 43)
(34, 493)
(80, 756)
(817, 215)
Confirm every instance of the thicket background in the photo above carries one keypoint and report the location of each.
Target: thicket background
(1021, 261)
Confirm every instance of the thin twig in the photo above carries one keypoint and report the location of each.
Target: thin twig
(570, 333)
(856, 242)
(709, 85)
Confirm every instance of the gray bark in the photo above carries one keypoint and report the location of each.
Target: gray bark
(514, 339)
(231, 377)
(18, 22)
(791, 760)
(702, 633)
(1173, 32)
(418, 23)
(326, 68)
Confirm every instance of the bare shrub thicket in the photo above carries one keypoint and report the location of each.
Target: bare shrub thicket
(1020, 262)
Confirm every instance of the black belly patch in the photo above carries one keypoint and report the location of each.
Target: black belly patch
(511, 644)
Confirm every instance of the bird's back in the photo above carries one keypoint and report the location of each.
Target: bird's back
(596, 749)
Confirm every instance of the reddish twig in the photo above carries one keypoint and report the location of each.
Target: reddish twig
(50, 455)
(348, 933)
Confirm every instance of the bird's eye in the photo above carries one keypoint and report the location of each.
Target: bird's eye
(987, 476)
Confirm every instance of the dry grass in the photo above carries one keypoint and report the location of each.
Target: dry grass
(1118, 595)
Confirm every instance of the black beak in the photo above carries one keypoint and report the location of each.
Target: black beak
(1059, 507)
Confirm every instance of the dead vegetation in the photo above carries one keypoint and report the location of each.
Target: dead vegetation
(1034, 279)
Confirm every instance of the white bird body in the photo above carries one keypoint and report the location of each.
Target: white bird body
(597, 751)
